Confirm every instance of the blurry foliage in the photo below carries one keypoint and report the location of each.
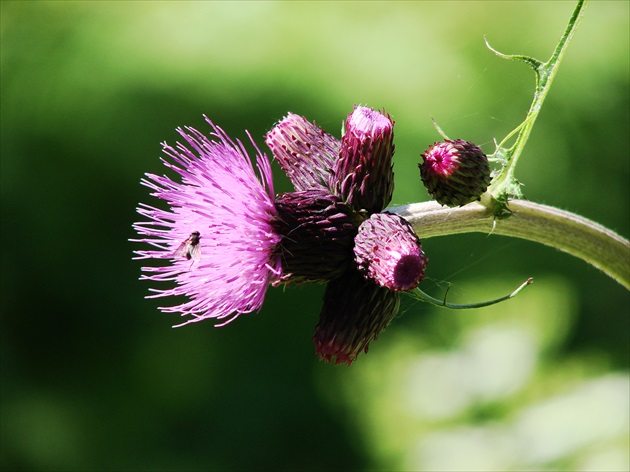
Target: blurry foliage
(493, 387)
(93, 378)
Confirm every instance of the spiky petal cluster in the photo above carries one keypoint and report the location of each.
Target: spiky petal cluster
(221, 197)
(455, 172)
(388, 251)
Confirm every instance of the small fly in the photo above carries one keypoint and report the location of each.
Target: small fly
(190, 248)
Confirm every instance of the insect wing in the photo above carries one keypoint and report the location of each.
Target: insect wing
(182, 250)
(194, 252)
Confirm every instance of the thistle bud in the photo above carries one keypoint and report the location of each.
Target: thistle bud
(304, 151)
(455, 172)
(387, 251)
(355, 312)
(317, 233)
(363, 174)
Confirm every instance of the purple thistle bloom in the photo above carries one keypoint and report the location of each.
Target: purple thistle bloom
(231, 208)
(226, 237)
(388, 251)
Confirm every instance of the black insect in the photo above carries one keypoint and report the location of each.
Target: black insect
(190, 248)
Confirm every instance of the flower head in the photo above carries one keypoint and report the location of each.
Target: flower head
(455, 172)
(226, 237)
(224, 212)
(388, 252)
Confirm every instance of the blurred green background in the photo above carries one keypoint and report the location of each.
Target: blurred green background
(93, 376)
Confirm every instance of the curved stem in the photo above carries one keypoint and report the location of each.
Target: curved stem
(420, 295)
(560, 229)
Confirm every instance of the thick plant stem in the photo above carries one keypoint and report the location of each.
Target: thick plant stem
(560, 229)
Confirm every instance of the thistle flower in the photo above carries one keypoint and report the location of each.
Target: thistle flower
(231, 209)
(226, 237)
(455, 172)
(388, 252)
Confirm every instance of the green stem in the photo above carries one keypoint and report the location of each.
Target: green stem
(545, 72)
(420, 295)
(560, 229)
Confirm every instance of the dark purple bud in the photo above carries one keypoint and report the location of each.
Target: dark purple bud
(363, 174)
(304, 151)
(387, 250)
(355, 312)
(317, 231)
(455, 172)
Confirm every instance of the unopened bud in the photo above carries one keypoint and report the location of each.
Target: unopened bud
(317, 231)
(355, 312)
(387, 251)
(363, 174)
(455, 172)
(304, 151)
